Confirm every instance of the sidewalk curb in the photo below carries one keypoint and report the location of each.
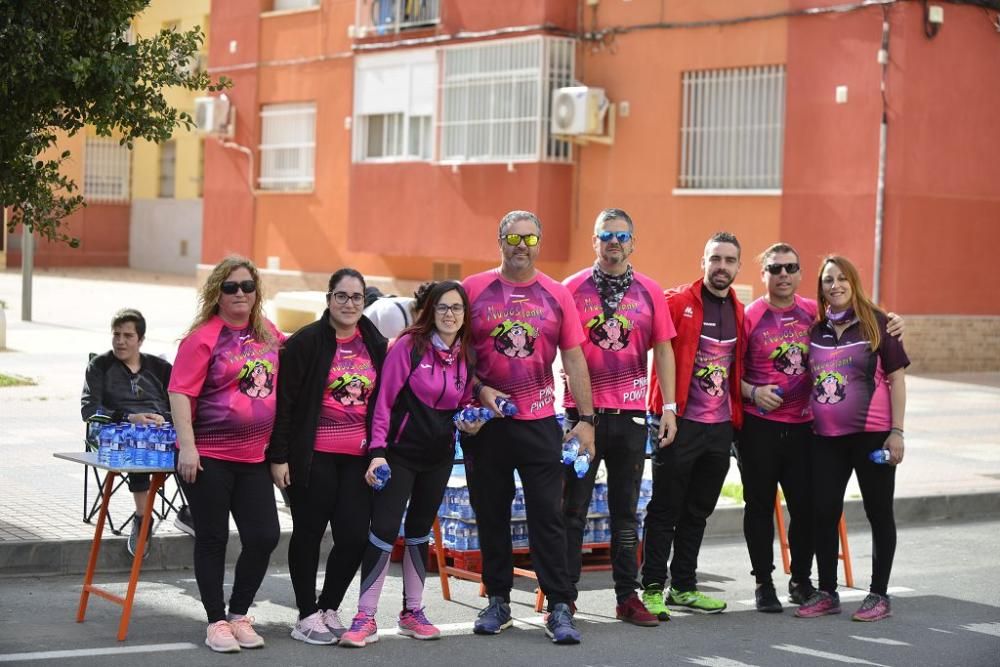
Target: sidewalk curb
(174, 551)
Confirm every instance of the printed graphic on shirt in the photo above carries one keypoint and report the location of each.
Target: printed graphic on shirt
(257, 378)
(342, 427)
(609, 333)
(831, 387)
(514, 338)
(789, 358)
(708, 398)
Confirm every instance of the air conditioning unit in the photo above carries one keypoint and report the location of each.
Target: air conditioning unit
(213, 115)
(578, 110)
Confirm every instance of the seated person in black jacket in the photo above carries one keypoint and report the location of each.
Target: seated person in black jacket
(130, 386)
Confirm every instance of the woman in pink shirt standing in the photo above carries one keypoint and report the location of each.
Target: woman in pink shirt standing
(223, 411)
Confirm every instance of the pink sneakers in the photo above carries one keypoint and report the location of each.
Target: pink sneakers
(874, 608)
(246, 636)
(819, 603)
(220, 638)
(363, 631)
(413, 623)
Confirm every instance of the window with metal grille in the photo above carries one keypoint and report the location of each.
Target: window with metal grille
(495, 99)
(106, 169)
(168, 164)
(287, 146)
(732, 129)
(393, 105)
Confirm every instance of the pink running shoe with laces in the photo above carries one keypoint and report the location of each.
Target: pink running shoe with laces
(245, 634)
(819, 603)
(363, 631)
(874, 608)
(220, 639)
(413, 623)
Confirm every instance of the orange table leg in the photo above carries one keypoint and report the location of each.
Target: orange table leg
(845, 553)
(442, 564)
(779, 520)
(155, 483)
(95, 547)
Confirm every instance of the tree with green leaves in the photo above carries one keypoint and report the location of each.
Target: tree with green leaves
(67, 64)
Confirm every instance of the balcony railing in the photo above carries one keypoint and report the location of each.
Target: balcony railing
(387, 17)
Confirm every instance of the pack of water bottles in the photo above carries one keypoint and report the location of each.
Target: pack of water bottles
(137, 445)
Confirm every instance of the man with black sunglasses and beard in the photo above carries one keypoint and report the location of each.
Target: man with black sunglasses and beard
(623, 316)
(688, 474)
(775, 440)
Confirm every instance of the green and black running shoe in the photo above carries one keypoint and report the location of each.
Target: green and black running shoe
(652, 599)
(695, 600)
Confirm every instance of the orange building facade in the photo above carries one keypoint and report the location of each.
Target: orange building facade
(392, 135)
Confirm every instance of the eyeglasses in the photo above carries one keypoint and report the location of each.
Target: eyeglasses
(530, 240)
(455, 308)
(623, 237)
(775, 269)
(343, 297)
(232, 287)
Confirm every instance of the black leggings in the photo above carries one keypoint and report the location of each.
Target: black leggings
(422, 484)
(773, 452)
(338, 495)
(245, 490)
(833, 460)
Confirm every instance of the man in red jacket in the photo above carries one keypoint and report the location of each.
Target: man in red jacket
(688, 474)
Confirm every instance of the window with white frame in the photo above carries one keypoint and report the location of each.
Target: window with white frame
(287, 146)
(393, 106)
(106, 169)
(495, 99)
(168, 167)
(282, 5)
(732, 129)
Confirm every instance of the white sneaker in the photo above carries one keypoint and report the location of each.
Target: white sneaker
(332, 620)
(312, 630)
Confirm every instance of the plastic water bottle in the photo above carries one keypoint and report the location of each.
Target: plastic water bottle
(467, 414)
(777, 390)
(880, 456)
(382, 475)
(485, 414)
(582, 464)
(141, 453)
(652, 433)
(104, 444)
(128, 443)
(506, 406)
(570, 450)
(116, 452)
(561, 420)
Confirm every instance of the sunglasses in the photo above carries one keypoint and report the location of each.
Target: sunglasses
(455, 308)
(623, 237)
(775, 269)
(530, 240)
(232, 287)
(344, 297)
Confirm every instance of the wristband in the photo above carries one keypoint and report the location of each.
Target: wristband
(476, 388)
(753, 393)
(895, 429)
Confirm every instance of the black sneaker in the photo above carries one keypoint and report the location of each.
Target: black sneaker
(133, 538)
(800, 591)
(495, 618)
(184, 521)
(766, 599)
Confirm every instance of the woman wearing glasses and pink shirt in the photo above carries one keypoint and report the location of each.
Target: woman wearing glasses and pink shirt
(223, 420)
(425, 380)
(330, 373)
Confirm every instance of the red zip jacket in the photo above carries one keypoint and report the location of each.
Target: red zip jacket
(688, 313)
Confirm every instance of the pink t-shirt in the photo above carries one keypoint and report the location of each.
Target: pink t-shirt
(516, 330)
(616, 347)
(778, 353)
(232, 379)
(341, 426)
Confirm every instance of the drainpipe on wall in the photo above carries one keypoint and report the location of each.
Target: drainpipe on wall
(883, 58)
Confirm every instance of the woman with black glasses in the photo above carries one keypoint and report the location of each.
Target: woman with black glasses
(426, 378)
(223, 416)
(330, 375)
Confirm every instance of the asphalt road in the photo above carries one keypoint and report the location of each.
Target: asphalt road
(945, 586)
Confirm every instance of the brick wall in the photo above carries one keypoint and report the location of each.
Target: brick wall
(952, 343)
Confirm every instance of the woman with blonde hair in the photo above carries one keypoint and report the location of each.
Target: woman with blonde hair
(223, 410)
(849, 343)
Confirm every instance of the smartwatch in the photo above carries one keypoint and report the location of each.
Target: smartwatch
(670, 406)
(588, 419)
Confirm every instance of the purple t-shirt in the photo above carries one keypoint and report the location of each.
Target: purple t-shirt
(850, 392)
(232, 379)
(708, 396)
(516, 330)
(341, 428)
(778, 353)
(616, 347)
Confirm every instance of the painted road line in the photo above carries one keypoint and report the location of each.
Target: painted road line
(718, 661)
(992, 629)
(836, 657)
(947, 632)
(880, 640)
(846, 594)
(90, 652)
(526, 623)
